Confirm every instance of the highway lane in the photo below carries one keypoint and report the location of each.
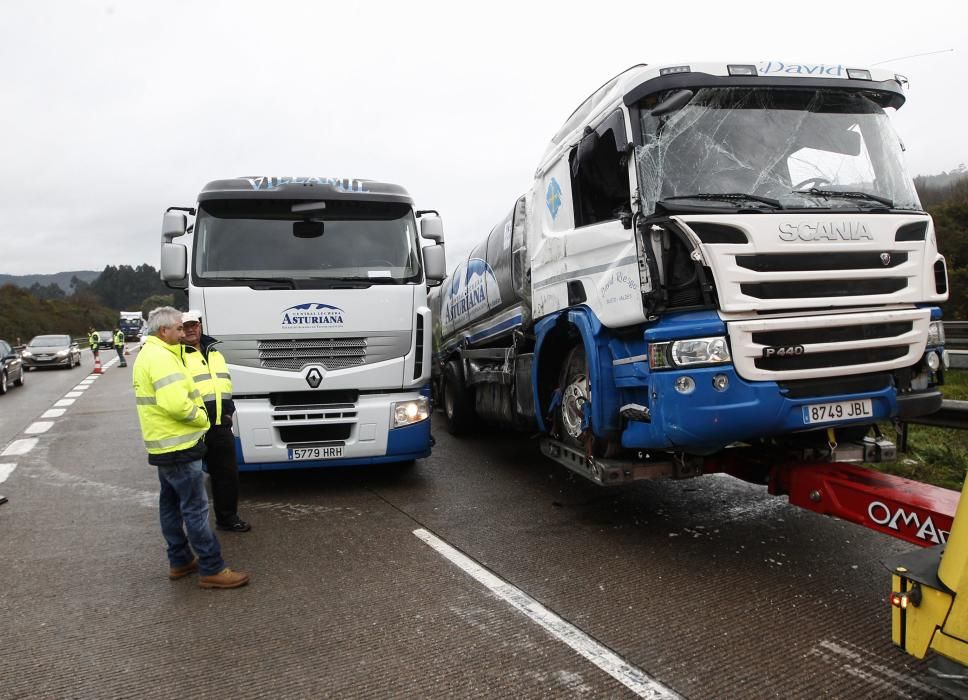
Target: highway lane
(707, 588)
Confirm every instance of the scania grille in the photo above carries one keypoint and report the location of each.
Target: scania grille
(814, 289)
(785, 349)
(295, 354)
(804, 262)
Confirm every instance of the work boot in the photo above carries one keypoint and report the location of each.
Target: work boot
(237, 525)
(177, 572)
(226, 578)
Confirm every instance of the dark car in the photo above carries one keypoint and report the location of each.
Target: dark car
(105, 340)
(51, 351)
(11, 367)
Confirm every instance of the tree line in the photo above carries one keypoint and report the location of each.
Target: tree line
(945, 197)
(40, 309)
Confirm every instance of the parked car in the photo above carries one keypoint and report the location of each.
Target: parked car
(51, 351)
(11, 367)
(105, 340)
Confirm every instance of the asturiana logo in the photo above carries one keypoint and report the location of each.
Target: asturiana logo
(312, 315)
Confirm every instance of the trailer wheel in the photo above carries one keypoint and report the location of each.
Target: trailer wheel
(458, 400)
(575, 393)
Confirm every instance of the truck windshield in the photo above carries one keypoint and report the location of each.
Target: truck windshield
(800, 148)
(241, 241)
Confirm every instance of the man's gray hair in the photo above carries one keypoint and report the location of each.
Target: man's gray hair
(161, 317)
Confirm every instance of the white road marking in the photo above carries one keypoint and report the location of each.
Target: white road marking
(19, 447)
(5, 471)
(73, 394)
(64, 402)
(39, 427)
(81, 387)
(635, 679)
(54, 413)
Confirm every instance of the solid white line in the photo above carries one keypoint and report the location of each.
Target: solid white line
(64, 402)
(40, 426)
(19, 447)
(635, 679)
(5, 471)
(54, 413)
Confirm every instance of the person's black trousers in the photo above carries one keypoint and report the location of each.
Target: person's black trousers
(223, 470)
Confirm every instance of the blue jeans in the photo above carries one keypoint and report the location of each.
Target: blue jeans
(183, 505)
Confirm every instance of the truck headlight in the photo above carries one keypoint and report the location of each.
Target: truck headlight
(936, 333)
(409, 412)
(689, 353)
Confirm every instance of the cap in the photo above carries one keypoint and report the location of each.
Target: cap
(192, 315)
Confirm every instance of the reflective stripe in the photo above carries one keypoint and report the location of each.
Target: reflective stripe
(194, 394)
(191, 416)
(145, 400)
(208, 397)
(227, 395)
(223, 375)
(170, 379)
(172, 441)
(200, 377)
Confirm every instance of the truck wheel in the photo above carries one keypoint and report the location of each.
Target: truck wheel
(458, 400)
(575, 393)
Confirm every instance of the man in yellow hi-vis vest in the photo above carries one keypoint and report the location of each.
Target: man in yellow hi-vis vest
(211, 375)
(173, 424)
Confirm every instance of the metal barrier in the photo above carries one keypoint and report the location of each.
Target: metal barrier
(952, 414)
(956, 343)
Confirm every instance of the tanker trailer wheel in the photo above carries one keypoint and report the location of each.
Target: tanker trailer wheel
(575, 393)
(458, 400)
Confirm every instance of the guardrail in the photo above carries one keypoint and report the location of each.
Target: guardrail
(956, 335)
(952, 414)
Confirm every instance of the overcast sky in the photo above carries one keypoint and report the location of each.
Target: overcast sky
(113, 111)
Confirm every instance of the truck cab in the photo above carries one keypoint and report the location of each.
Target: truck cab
(316, 289)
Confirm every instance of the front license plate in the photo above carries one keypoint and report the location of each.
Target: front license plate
(297, 453)
(839, 410)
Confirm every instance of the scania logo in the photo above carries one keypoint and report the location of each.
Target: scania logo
(314, 377)
(825, 231)
(885, 259)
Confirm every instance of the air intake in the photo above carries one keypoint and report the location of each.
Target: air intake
(418, 354)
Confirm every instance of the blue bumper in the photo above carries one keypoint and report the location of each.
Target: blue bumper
(403, 444)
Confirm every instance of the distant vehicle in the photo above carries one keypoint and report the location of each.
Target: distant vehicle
(51, 351)
(105, 340)
(11, 367)
(131, 324)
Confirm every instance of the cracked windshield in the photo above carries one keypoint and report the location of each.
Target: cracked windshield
(789, 149)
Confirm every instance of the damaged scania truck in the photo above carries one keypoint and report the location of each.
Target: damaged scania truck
(711, 257)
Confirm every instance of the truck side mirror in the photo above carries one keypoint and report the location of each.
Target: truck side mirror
(435, 263)
(174, 265)
(174, 225)
(432, 228)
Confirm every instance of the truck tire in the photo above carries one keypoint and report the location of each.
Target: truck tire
(458, 400)
(575, 392)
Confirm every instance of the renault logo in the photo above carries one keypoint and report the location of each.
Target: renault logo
(314, 377)
(886, 259)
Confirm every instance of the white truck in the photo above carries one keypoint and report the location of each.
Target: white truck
(711, 255)
(316, 289)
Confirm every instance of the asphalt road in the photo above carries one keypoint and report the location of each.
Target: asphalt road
(705, 588)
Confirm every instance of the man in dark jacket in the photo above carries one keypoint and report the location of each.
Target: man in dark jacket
(211, 375)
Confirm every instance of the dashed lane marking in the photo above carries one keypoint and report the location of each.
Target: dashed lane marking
(38, 427)
(53, 413)
(73, 394)
(64, 402)
(19, 447)
(5, 471)
(633, 678)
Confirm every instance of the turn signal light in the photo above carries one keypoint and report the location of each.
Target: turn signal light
(901, 599)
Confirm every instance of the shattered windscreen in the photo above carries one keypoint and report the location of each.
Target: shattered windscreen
(788, 149)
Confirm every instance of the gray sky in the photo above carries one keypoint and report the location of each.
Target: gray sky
(114, 111)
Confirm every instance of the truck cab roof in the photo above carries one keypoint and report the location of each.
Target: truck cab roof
(310, 188)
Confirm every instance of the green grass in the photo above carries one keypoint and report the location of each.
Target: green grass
(936, 456)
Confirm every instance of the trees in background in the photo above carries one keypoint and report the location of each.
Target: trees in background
(945, 196)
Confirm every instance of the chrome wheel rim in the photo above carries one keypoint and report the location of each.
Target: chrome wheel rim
(574, 398)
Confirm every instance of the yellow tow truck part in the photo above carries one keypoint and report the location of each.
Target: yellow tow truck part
(930, 603)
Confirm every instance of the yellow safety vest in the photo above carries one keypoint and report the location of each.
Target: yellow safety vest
(212, 378)
(92, 340)
(119, 339)
(170, 407)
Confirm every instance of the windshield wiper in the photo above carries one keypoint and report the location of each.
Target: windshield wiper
(728, 197)
(848, 195)
(283, 281)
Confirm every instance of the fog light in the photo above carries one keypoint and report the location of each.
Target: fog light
(934, 362)
(685, 385)
(720, 382)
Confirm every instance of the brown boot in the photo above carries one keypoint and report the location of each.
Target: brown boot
(226, 578)
(177, 572)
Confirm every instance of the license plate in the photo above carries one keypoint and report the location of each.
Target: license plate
(297, 453)
(839, 410)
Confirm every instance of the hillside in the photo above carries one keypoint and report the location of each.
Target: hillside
(61, 279)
